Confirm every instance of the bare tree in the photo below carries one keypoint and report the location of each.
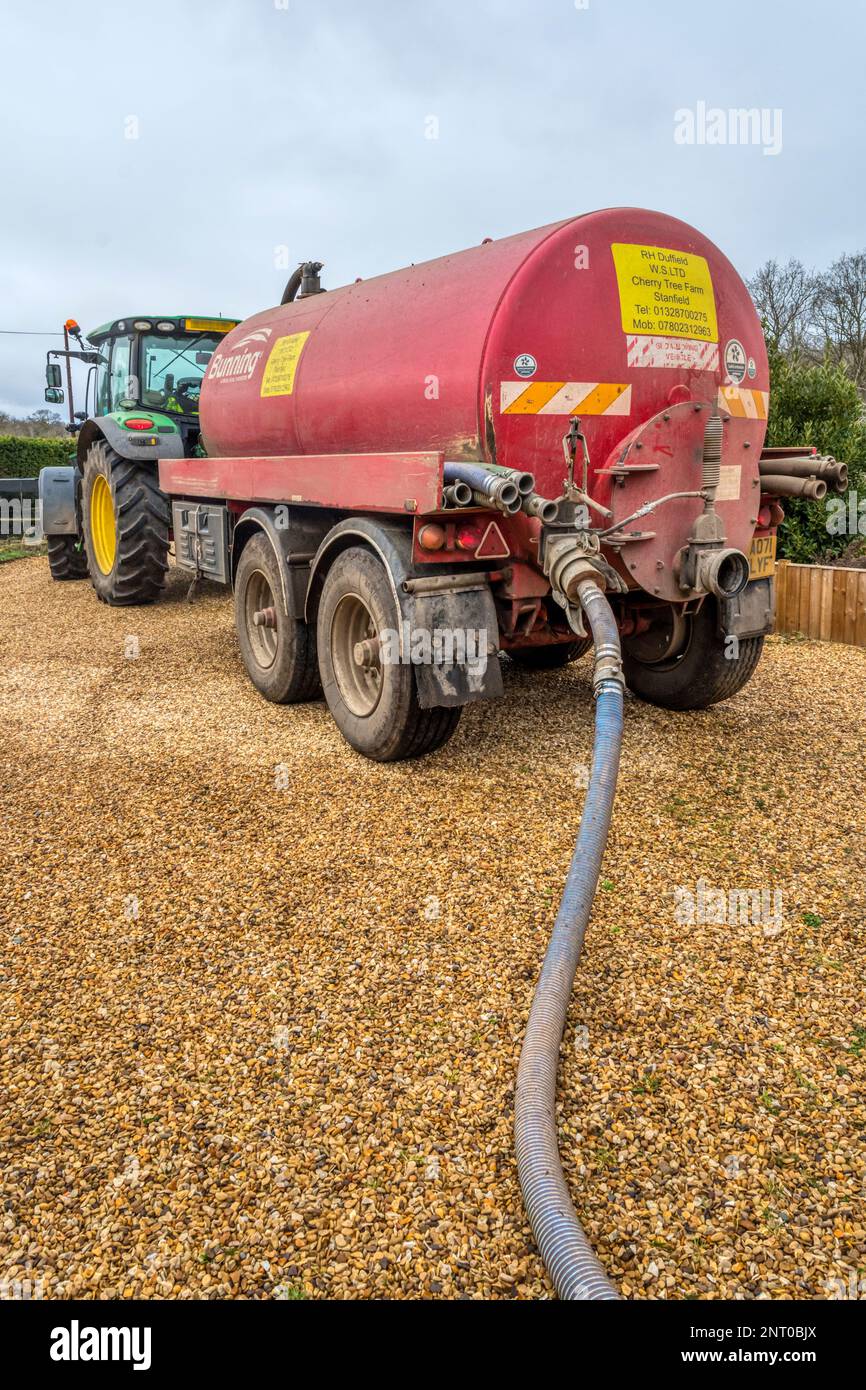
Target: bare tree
(784, 296)
(840, 310)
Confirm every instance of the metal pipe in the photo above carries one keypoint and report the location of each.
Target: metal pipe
(524, 482)
(499, 491)
(483, 499)
(779, 485)
(567, 1254)
(827, 469)
(457, 495)
(541, 507)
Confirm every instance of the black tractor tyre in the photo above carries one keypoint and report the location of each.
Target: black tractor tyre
(279, 652)
(374, 703)
(550, 657)
(702, 672)
(130, 567)
(67, 558)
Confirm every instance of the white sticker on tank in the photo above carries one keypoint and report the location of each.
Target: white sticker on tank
(643, 350)
(730, 479)
(735, 360)
(525, 364)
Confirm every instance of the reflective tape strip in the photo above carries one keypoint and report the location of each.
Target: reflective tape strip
(565, 398)
(744, 403)
(644, 351)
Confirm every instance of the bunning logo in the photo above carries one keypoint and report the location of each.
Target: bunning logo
(241, 362)
(259, 335)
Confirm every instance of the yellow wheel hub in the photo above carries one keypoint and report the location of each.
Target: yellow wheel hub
(102, 524)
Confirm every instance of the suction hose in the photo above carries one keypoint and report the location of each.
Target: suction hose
(565, 1250)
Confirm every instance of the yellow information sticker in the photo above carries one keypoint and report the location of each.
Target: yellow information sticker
(211, 325)
(279, 374)
(668, 293)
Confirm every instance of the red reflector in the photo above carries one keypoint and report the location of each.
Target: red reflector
(493, 545)
(764, 517)
(467, 538)
(139, 424)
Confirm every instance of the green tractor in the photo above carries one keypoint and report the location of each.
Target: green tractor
(105, 516)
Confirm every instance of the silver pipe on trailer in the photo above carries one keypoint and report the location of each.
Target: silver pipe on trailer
(781, 485)
(542, 507)
(483, 499)
(826, 469)
(457, 495)
(523, 481)
(567, 1254)
(498, 491)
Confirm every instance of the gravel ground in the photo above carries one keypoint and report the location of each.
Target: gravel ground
(262, 1001)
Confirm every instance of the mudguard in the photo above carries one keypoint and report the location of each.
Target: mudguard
(461, 670)
(126, 443)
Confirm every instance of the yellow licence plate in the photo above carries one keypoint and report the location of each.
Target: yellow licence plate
(762, 557)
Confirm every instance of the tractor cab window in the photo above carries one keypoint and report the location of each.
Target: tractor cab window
(172, 367)
(123, 385)
(102, 378)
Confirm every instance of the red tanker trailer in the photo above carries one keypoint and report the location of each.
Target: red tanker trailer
(406, 476)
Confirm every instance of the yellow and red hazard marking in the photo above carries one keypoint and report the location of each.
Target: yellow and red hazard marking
(565, 398)
(743, 402)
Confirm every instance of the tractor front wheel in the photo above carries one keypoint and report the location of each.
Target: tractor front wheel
(683, 662)
(371, 694)
(126, 520)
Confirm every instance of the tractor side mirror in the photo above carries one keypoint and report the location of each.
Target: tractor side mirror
(53, 395)
(52, 375)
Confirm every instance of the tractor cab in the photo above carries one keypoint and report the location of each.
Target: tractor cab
(145, 373)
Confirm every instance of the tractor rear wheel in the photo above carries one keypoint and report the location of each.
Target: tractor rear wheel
(126, 520)
(695, 666)
(552, 656)
(67, 558)
(374, 701)
(278, 652)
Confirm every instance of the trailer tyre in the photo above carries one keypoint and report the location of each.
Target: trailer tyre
(67, 558)
(552, 656)
(278, 651)
(374, 702)
(701, 672)
(125, 521)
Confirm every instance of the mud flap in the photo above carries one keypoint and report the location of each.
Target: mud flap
(751, 613)
(453, 646)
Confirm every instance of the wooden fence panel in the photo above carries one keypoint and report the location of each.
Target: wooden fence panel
(821, 602)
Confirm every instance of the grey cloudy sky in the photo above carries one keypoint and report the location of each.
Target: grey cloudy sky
(303, 123)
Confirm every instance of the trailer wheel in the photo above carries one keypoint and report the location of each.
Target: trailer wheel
(278, 652)
(698, 672)
(126, 520)
(374, 702)
(551, 656)
(67, 558)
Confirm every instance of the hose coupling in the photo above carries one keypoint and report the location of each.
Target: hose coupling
(568, 566)
(608, 667)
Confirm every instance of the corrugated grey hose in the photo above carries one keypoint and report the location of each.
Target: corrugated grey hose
(567, 1254)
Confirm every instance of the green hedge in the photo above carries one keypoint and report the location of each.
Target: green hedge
(24, 458)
